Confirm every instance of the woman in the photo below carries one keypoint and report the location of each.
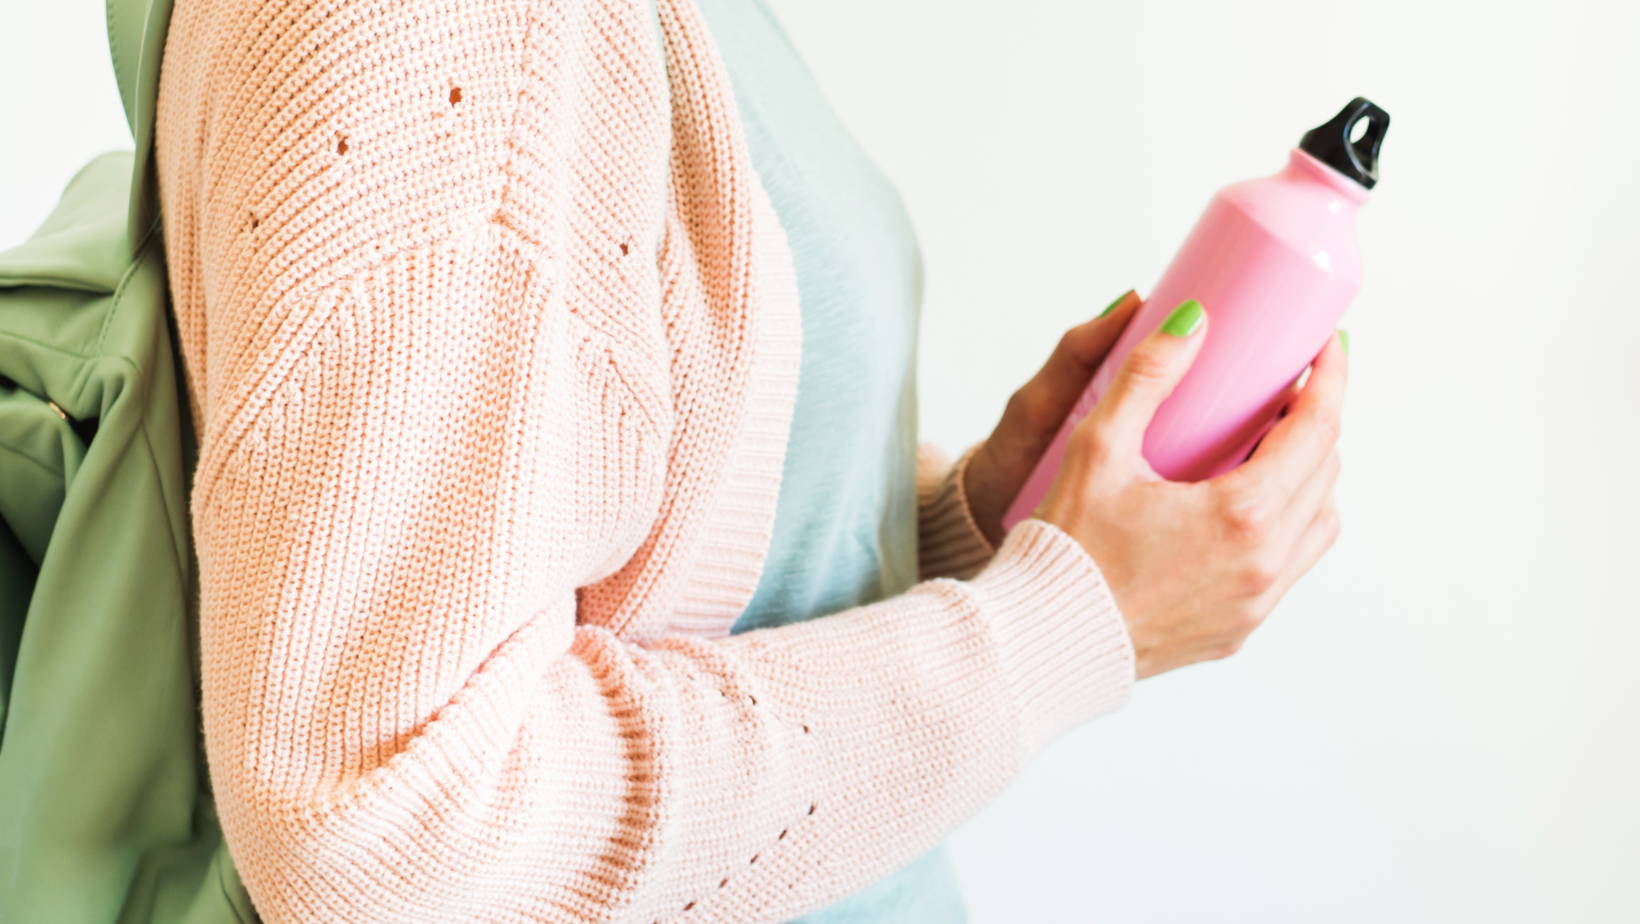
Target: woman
(540, 349)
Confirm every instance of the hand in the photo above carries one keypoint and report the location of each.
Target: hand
(1029, 423)
(1196, 567)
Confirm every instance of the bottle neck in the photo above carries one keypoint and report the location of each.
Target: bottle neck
(1301, 165)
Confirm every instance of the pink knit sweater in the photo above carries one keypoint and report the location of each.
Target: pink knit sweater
(491, 341)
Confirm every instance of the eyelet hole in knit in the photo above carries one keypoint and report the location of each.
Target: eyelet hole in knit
(455, 96)
(724, 882)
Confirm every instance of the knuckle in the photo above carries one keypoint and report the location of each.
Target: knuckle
(1227, 649)
(1251, 619)
(1092, 438)
(1243, 621)
(1016, 401)
(1028, 405)
(1067, 342)
(1148, 366)
(1245, 521)
(1258, 576)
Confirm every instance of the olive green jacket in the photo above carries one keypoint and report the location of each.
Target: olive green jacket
(105, 811)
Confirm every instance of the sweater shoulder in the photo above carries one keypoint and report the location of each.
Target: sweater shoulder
(314, 140)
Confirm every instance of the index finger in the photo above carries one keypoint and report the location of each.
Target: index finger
(1302, 440)
(1043, 402)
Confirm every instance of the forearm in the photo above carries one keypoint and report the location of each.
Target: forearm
(747, 778)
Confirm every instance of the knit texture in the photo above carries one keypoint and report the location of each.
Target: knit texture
(491, 341)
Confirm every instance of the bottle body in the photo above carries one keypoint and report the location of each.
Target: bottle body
(1275, 263)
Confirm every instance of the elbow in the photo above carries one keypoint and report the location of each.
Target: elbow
(283, 859)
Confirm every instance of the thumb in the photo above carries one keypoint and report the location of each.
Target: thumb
(1145, 379)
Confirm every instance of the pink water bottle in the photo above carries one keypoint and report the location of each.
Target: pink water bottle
(1274, 261)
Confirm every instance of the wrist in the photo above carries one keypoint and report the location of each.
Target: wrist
(987, 499)
(950, 541)
(1066, 655)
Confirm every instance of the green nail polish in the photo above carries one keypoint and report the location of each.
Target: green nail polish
(1344, 340)
(1185, 319)
(1112, 306)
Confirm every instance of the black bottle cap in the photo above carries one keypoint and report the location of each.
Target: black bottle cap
(1331, 144)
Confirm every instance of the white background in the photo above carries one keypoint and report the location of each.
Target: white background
(1440, 723)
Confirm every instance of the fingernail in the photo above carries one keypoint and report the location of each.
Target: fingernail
(1185, 319)
(1112, 306)
(1344, 340)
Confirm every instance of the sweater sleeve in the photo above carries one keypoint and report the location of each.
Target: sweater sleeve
(405, 722)
(949, 541)
(426, 432)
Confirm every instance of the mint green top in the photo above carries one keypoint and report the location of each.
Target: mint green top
(845, 529)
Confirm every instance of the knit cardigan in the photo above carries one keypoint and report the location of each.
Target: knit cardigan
(490, 338)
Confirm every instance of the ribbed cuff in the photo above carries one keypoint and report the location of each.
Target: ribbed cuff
(1066, 653)
(950, 542)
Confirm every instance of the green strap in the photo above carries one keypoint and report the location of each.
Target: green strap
(136, 39)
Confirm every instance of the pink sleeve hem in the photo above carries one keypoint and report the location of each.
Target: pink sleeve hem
(1066, 656)
(950, 542)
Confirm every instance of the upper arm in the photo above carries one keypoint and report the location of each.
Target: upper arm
(428, 337)
(310, 144)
